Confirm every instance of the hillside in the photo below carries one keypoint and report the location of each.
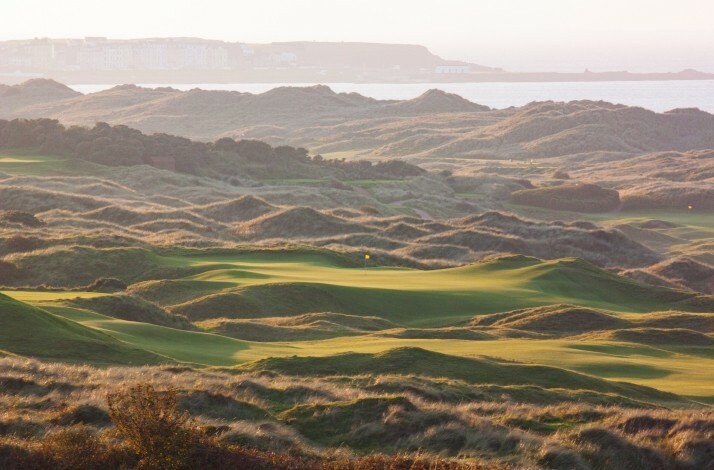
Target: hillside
(434, 124)
(72, 210)
(31, 331)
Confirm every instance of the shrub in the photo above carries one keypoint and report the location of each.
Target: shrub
(154, 428)
(15, 455)
(73, 448)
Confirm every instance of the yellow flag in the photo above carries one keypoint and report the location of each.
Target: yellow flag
(366, 256)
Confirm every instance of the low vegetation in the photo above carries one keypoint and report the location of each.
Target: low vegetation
(128, 417)
(124, 146)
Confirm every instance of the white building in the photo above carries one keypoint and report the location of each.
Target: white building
(452, 69)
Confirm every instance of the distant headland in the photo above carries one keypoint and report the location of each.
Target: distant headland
(94, 60)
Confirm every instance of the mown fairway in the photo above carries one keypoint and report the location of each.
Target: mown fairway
(408, 298)
(684, 371)
(44, 296)
(32, 165)
(419, 298)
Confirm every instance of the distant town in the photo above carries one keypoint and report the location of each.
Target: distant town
(193, 60)
(46, 57)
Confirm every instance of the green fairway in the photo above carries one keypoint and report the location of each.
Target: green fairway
(273, 283)
(31, 164)
(43, 296)
(28, 330)
(667, 370)
(183, 346)
(279, 284)
(671, 369)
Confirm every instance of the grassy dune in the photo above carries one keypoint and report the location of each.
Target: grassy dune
(689, 228)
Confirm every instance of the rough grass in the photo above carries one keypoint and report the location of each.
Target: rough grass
(660, 336)
(300, 422)
(312, 326)
(552, 319)
(427, 363)
(569, 197)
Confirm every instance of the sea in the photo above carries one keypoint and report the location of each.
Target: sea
(654, 95)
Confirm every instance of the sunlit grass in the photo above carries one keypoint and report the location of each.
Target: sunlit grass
(44, 296)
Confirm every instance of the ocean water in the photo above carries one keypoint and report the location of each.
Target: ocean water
(655, 95)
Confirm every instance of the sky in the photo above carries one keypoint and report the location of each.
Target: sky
(518, 35)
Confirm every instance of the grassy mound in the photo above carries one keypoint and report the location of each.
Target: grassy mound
(170, 292)
(703, 323)
(190, 347)
(281, 299)
(78, 266)
(267, 288)
(219, 406)
(569, 197)
(236, 210)
(127, 307)
(363, 323)
(578, 278)
(338, 422)
(437, 333)
(660, 336)
(687, 273)
(249, 330)
(417, 361)
(434, 101)
(404, 231)
(30, 331)
(298, 222)
(313, 326)
(565, 319)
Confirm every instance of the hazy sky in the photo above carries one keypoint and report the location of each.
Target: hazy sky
(638, 35)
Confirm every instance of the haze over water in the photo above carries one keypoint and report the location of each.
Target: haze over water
(655, 95)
